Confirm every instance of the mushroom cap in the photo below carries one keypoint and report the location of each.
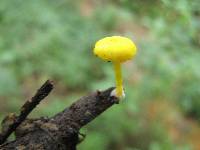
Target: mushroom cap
(115, 49)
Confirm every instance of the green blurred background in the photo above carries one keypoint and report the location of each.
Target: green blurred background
(48, 39)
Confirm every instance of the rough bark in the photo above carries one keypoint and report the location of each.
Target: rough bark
(61, 131)
(11, 122)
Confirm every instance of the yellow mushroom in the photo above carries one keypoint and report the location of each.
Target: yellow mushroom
(116, 49)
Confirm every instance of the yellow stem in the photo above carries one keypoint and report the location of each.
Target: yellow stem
(118, 78)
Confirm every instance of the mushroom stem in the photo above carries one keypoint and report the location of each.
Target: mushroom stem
(118, 78)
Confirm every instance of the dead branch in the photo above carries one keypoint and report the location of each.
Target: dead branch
(29, 105)
(61, 131)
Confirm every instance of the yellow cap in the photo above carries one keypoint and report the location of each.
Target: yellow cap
(115, 49)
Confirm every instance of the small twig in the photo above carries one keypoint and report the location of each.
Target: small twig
(29, 105)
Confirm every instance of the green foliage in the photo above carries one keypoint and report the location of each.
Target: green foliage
(47, 39)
